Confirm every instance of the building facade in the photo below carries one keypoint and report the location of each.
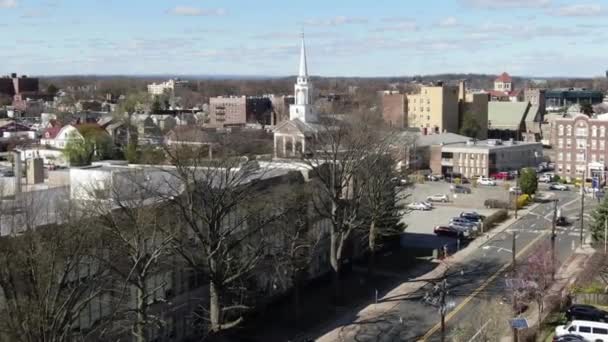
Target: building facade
(504, 83)
(435, 109)
(557, 98)
(394, 110)
(485, 158)
(580, 147)
(169, 86)
(235, 110)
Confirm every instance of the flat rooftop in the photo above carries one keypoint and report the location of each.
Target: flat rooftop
(492, 145)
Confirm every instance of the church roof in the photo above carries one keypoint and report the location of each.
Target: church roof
(305, 128)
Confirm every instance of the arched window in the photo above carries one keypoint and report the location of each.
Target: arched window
(602, 131)
(561, 130)
(568, 130)
(594, 131)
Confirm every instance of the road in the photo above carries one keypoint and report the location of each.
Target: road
(477, 278)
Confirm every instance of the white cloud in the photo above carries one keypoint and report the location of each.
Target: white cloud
(500, 4)
(398, 24)
(581, 10)
(195, 11)
(448, 22)
(8, 3)
(335, 21)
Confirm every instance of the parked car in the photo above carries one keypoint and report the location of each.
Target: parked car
(468, 228)
(586, 312)
(463, 222)
(486, 181)
(434, 178)
(400, 181)
(438, 198)
(472, 216)
(451, 231)
(427, 204)
(459, 189)
(417, 206)
(501, 175)
(544, 178)
(8, 173)
(515, 189)
(569, 338)
(590, 331)
(559, 187)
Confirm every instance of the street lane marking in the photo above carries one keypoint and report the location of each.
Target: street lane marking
(479, 289)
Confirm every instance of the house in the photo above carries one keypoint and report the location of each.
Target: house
(60, 139)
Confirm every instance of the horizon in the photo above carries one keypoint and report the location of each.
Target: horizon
(544, 38)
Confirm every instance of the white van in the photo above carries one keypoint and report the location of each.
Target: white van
(590, 331)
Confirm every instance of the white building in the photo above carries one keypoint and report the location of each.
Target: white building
(168, 86)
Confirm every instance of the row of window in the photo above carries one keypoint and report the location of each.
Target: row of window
(561, 168)
(582, 144)
(580, 157)
(428, 102)
(582, 131)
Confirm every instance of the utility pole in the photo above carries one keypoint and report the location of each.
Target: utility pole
(605, 232)
(443, 305)
(553, 236)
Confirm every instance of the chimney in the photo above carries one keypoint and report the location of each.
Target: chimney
(14, 75)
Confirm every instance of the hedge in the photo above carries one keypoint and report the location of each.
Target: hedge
(494, 219)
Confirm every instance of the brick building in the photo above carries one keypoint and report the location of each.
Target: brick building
(484, 158)
(230, 111)
(394, 110)
(579, 143)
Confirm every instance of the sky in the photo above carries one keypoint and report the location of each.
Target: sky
(539, 38)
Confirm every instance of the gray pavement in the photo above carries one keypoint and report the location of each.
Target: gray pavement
(473, 280)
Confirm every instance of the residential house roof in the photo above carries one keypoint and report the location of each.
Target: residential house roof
(507, 115)
(51, 132)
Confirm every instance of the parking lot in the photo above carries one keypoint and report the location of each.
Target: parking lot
(420, 224)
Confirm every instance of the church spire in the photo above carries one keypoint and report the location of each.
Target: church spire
(303, 67)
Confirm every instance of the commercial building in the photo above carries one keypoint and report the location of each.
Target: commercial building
(394, 109)
(510, 120)
(435, 109)
(580, 147)
(558, 98)
(484, 158)
(169, 86)
(239, 110)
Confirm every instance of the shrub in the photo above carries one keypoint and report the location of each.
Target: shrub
(457, 181)
(495, 219)
(522, 201)
(497, 204)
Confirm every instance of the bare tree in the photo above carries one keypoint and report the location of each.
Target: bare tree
(336, 155)
(382, 211)
(221, 205)
(48, 271)
(138, 232)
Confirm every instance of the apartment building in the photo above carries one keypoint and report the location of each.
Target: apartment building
(239, 110)
(394, 109)
(476, 105)
(485, 158)
(435, 109)
(168, 86)
(579, 143)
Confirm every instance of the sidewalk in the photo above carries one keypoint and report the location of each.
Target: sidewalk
(345, 330)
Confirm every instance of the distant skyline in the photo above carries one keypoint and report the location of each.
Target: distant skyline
(540, 38)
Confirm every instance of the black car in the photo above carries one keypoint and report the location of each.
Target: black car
(586, 313)
(472, 216)
(449, 231)
(569, 338)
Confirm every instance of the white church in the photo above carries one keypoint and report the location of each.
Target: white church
(291, 136)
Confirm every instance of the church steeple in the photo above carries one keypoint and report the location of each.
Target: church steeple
(302, 108)
(303, 66)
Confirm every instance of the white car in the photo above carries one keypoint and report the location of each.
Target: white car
(486, 181)
(544, 178)
(560, 187)
(418, 206)
(438, 198)
(427, 204)
(515, 189)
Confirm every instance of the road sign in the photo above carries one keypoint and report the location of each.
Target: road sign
(519, 323)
